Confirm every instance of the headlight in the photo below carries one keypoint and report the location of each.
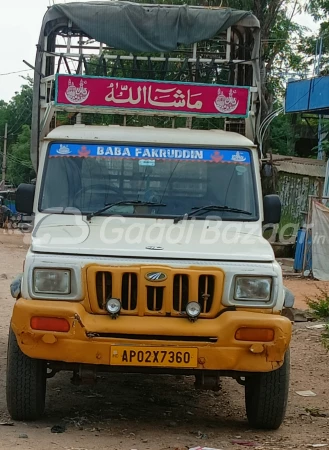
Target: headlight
(253, 288)
(52, 281)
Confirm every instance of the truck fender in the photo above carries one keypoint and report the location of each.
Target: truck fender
(289, 298)
(15, 286)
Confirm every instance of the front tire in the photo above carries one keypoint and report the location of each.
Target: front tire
(266, 396)
(26, 383)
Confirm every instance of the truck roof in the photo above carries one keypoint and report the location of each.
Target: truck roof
(149, 135)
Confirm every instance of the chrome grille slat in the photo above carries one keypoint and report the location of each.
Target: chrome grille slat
(154, 299)
(103, 288)
(180, 292)
(104, 291)
(206, 292)
(129, 293)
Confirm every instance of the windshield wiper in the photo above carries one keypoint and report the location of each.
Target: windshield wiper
(123, 202)
(205, 208)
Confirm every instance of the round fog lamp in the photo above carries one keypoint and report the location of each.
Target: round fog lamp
(193, 310)
(113, 306)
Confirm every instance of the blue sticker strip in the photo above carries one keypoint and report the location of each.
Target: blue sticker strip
(153, 153)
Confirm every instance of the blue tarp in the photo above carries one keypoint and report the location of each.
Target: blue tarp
(11, 206)
(300, 250)
(308, 96)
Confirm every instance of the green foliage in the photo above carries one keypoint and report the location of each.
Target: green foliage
(320, 308)
(318, 9)
(20, 168)
(17, 113)
(324, 148)
(281, 135)
(19, 110)
(320, 304)
(3, 116)
(310, 47)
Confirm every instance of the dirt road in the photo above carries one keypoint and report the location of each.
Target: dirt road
(139, 412)
(305, 288)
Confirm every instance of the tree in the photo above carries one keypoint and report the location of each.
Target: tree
(319, 9)
(20, 168)
(282, 40)
(315, 49)
(19, 111)
(3, 119)
(283, 43)
(3, 115)
(280, 135)
(279, 34)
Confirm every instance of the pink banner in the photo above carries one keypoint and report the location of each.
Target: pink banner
(165, 97)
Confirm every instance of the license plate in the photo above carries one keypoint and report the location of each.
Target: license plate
(153, 356)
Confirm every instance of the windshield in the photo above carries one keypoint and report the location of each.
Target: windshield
(91, 176)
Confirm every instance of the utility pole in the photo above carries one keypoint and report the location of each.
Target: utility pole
(79, 115)
(318, 51)
(4, 159)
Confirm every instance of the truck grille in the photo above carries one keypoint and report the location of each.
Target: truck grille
(168, 297)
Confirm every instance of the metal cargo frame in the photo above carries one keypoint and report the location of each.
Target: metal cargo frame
(229, 58)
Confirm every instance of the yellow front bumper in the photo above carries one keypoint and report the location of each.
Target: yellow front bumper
(217, 347)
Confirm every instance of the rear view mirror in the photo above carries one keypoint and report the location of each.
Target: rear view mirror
(25, 198)
(272, 209)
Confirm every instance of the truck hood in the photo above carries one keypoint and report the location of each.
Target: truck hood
(149, 238)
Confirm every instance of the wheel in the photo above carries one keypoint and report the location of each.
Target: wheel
(26, 383)
(266, 396)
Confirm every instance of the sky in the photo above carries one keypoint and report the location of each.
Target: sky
(20, 23)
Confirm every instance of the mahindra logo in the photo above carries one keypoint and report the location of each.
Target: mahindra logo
(156, 276)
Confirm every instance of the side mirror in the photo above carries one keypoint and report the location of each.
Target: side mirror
(272, 209)
(25, 198)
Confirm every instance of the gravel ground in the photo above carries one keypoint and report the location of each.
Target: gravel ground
(142, 412)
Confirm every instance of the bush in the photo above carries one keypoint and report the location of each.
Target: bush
(320, 304)
(320, 308)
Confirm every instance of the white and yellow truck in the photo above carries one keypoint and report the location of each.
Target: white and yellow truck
(147, 252)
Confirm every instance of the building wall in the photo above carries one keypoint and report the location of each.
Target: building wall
(294, 190)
